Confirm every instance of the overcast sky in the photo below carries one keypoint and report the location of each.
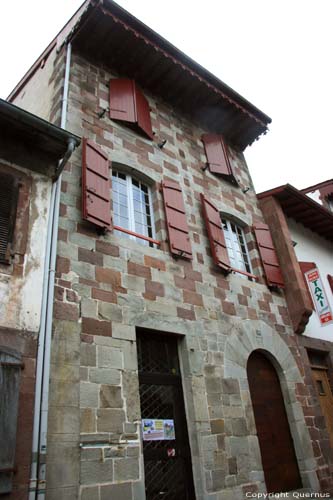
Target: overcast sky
(277, 54)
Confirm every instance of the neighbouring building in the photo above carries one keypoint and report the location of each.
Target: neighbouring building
(301, 223)
(30, 154)
(175, 371)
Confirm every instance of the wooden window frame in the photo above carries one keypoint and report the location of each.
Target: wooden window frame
(232, 256)
(134, 235)
(17, 240)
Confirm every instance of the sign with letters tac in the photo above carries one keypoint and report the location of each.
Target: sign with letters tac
(319, 297)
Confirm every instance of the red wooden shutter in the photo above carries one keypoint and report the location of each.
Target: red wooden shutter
(95, 185)
(305, 267)
(128, 104)
(268, 255)
(122, 100)
(178, 231)
(215, 234)
(330, 281)
(143, 114)
(217, 156)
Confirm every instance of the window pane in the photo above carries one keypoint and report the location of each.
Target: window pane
(131, 206)
(236, 246)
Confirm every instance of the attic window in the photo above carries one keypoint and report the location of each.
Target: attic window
(217, 154)
(128, 104)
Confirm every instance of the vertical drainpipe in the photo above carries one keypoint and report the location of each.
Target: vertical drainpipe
(39, 442)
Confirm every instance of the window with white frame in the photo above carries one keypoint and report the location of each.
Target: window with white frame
(236, 246)
(132, 208)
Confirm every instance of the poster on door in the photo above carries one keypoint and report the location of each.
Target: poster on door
(319, 297)
(158, 429)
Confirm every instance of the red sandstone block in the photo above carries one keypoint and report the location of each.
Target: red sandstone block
(184, 283)
(108, 276)
(170, 167)
(63, 265)
(149, 296)
(185, 313)
(62, 210)
(155, 288)
(104, 295)
(155, 263)
(66, 311)
(228, 307)
(192, 298)
(90, 256)
(252, 313)
(59, 293)
(88, 339)
(96, 327)
(64, 283)
(62, 234)
(242, 299)
(219, 293)
(246, 291)
(138, 270)
(222, 282)
(190, 273)
(264, 306)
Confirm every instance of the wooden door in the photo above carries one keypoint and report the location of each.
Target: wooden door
(167, 455)
(275, 441)
(325, 398)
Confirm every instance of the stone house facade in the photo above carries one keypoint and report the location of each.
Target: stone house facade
(158, 310)
(30, 151)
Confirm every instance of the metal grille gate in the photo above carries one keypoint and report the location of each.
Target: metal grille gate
(168, 469)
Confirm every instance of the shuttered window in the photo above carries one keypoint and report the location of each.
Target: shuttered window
(305, 267)
(95, 185)
(217, 156)
(10, 368)
(268, 256)
(128, 104)
(132, 208)
(236, 247)
(8, 207)
(215, 234)
(178, 231)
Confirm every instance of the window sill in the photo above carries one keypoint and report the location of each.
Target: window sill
(137, 235)
(244, 273)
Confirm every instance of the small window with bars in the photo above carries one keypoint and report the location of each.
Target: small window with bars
(132, 208)
(236, 246)
(8, 206)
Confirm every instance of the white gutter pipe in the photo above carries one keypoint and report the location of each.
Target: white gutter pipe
(39, 444)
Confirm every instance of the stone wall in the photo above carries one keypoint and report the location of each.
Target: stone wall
(108, 285)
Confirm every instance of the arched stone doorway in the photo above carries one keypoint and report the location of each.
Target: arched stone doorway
(275, 441)
(244, 338)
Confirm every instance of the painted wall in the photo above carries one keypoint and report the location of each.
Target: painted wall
(41, 85)
(312, 248)
(21, 292)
